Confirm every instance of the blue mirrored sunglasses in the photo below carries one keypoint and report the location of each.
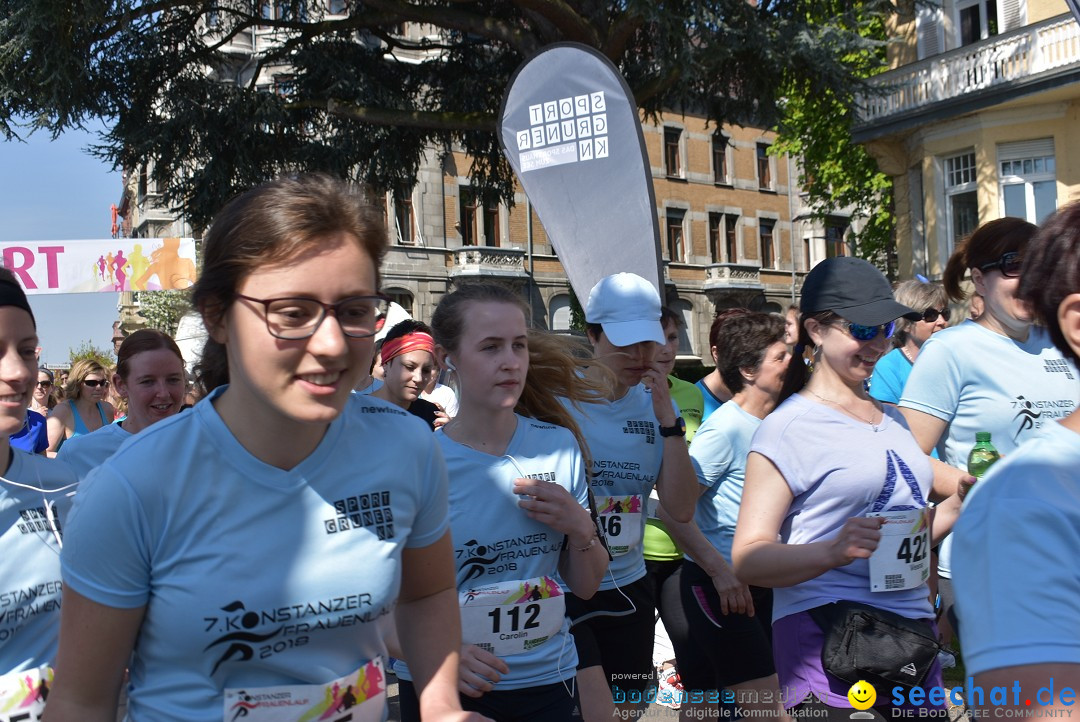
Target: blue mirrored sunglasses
(869, 333)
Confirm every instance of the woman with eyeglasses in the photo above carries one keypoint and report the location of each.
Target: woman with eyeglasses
(1000, 373)
(244, 557)
(834, 504)
(85, 409)
(893, 369)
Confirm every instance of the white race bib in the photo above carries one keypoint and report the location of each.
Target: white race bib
(512, 617)
(902, 558)
(621, 519)
(22, 694)
(357, 697)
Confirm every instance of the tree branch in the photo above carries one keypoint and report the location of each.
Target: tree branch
(615, 45)
(443, 120)
(565, 18)
(484, 26)
(656, 86)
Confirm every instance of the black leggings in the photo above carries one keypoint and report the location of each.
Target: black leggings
(663, 578)
(546, 703)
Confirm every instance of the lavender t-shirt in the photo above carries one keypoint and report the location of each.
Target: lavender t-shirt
(838, 468)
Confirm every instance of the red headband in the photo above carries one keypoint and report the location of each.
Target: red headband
(415, 341)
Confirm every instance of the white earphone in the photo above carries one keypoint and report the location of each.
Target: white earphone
(450, 364)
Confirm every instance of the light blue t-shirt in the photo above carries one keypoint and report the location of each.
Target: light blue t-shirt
(627, 451)
(30, 586)
(496, 542)
(253, 576)
(1017, 584)
(838, 468)
(890, 374)
(978, 380)
(718, 453)
(371, 388)
(85, 453)
(711, 402)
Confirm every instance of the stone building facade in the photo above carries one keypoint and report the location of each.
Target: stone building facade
(734, 228)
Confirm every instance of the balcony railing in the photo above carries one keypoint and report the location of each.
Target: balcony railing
(488, 261)
(724, 276)
(1015, 58)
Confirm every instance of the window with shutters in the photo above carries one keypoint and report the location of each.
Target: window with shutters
(976, 20)
(930, 29)
(1027, 175)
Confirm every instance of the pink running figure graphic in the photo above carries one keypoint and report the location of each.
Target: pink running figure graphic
(119, 261)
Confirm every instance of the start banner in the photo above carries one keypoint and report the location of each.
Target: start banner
(95, 266)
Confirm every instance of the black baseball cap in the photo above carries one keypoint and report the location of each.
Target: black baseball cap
(852, 288)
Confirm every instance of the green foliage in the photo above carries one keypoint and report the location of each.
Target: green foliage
(577, 313)
(163, 309)
(816, 125)
(323, 94)
(88, 350)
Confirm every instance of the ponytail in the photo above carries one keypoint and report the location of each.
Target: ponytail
(557, 369)
(802, 357)
(955, 270)
(212, 369)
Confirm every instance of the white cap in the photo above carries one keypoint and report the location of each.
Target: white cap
(627, 307)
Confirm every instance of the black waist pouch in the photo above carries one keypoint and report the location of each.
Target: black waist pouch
(867, 643)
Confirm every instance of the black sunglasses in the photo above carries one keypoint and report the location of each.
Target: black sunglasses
(44, 384)
(1008, 264)
(931, 314)
(94, 383)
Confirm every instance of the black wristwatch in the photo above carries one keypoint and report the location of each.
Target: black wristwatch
(679, 429)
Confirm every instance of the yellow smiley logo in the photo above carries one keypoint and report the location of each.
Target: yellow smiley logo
(862, 695)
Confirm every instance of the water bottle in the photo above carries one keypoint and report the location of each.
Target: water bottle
(983, 455)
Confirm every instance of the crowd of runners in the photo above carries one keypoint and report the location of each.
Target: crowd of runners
(328, 517)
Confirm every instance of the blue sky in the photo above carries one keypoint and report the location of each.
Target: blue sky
(55, 191)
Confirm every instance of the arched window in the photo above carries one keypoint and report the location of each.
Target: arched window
(402, 298)
(560, 312)
(685, 309)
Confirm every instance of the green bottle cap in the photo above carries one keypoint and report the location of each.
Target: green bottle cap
(982, 436)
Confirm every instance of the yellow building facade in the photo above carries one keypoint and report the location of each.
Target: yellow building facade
(976, 119)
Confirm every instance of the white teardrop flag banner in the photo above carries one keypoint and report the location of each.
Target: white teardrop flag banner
(570, 129)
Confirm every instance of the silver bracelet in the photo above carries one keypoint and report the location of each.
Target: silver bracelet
(592, 542)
